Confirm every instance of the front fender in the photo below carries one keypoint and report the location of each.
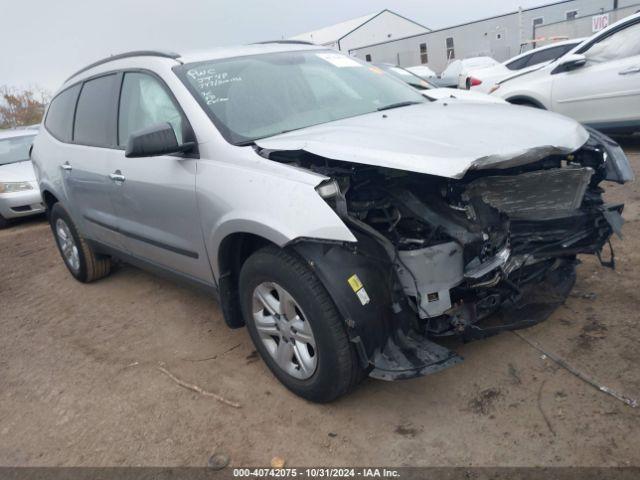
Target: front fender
(362, 282)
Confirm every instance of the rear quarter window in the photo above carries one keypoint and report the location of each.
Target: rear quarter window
(95, 123)
(59, 121)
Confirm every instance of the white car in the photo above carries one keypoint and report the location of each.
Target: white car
(19, 192)
(597, 83)
(433, 92)
(484, 79)
(450, 77)
(423, 72)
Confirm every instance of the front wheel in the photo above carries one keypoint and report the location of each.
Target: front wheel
(295, 326)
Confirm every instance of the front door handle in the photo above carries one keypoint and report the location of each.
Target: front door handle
(117, 177)
(630, 71)
(66, 166)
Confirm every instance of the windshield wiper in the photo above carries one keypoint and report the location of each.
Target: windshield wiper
(399, 105)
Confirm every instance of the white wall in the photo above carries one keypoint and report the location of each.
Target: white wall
(386, 26)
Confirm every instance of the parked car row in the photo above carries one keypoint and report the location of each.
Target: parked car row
(431, 91)
(349, 215)
(594, 80)
(486, 78)
(597, 82)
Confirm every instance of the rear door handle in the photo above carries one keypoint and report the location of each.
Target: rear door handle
(630, 71)
(117, 177)
(66, 166)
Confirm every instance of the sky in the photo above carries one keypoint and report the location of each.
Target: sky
(45, 41)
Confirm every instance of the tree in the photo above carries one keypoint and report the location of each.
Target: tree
(20, 108)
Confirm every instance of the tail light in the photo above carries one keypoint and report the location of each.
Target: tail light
(474, 82)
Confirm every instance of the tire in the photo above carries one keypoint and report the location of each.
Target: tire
(84, 264)
(337, 369)
(4, 223)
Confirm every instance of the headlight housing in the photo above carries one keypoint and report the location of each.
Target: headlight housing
(12, 187)
(328, 189)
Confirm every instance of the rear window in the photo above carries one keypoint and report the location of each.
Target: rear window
(96, 113)
(59, 121)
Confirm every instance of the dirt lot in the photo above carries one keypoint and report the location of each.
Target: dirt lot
(79, 383)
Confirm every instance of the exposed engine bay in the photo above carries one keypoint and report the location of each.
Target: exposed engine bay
(456, 251)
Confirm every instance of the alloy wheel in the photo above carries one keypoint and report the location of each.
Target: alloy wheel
(284, 330)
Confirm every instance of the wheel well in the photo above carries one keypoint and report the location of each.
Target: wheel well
(234, 250)
(526, 102)
(49, 199)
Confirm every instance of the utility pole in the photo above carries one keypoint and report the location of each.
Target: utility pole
(520, 28)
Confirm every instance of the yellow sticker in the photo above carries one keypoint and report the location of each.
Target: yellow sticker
(355, 283)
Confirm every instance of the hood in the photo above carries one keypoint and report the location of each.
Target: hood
(441, 138)
(17, 172)
(467, 95)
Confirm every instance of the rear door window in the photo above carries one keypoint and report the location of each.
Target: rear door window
(95, 123)
(59, 121)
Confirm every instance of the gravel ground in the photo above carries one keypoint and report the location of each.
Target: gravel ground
(80, 385)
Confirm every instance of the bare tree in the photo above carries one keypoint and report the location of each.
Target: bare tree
(22, 107)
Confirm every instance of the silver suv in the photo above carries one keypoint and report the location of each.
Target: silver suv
(346, 220)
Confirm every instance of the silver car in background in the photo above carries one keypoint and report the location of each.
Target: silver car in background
(342, 217)
(19, 192)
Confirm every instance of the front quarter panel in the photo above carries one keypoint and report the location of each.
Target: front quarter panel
(264, 198)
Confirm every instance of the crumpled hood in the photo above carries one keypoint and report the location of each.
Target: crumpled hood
(440, 138)
(17, 172)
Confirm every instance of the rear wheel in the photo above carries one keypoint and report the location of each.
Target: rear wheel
(81, 260)
(295, 326)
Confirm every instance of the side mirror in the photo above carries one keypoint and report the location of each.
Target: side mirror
(570, 62)
(156, 140)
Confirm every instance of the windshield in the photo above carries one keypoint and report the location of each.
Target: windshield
(259, 96)
(15, 149)
(407, 77)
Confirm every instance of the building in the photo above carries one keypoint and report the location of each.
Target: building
(370, 29)
(500, 37)
(583, 26)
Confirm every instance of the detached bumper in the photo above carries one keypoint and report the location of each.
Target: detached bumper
(21, 204)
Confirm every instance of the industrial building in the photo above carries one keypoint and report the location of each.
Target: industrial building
(370, 29)
(500, 37)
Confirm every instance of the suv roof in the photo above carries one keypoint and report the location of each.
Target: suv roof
(216, 53)
(135, 53)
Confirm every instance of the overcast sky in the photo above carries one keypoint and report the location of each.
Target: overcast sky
(44, 41)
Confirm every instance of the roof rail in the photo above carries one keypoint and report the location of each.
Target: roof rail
(137, 53)
(285, 42)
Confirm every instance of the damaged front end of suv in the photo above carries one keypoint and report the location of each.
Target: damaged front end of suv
(488, 248)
